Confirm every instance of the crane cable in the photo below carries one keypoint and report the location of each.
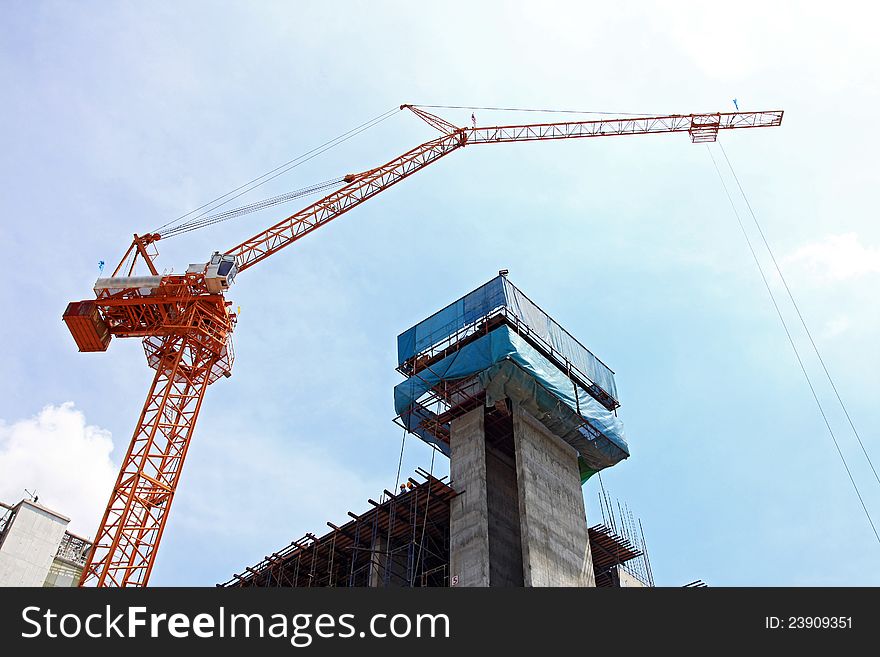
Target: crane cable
(801, 318)
(399, 463)
(281, 169)
(792, 342)
(209, 220)
(434, 451)
(203, 218)
(534, 109)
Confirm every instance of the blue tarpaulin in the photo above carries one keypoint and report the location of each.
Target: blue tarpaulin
(455, 316)
(497, 294)
(606, 444)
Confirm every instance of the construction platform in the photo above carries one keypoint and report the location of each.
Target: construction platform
(403, 541)
(495, 344)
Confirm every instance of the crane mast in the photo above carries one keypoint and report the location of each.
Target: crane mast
(186, 324)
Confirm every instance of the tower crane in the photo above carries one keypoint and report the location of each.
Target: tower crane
(186, 323)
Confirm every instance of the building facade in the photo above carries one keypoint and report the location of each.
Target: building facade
(36, 549)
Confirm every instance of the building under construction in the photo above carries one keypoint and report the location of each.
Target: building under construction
(526, 414)
(405, 542)
(36, 549)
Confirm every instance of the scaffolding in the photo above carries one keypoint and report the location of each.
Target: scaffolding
(492, 349)
(630, 551)
(495, 344)
(499, 302)
(403, 541)
(74, 549)
(611, 551)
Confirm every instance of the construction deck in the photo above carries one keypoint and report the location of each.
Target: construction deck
(402, 541)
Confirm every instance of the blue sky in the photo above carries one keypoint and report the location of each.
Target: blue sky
(119, 117)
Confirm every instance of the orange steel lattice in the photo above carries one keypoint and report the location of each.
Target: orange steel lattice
(124, 551)
(187, 327)
(362, 186)
(188, 342)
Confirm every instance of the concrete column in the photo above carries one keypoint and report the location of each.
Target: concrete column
(502, 496)
(553, 523)
(469, 514)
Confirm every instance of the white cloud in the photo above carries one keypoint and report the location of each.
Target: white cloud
(837, 257)
(66, 460)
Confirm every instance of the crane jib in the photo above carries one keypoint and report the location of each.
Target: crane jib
(700, 127)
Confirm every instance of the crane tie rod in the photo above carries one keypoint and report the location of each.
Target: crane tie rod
(203, 218)
(281, 169)
(195, 224)
(533, 109)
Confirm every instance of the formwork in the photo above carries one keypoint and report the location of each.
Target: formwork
(402, 541)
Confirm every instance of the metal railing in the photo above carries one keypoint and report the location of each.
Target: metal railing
(74, 548)
(474, 313)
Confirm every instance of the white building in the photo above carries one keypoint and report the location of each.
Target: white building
(36, 549)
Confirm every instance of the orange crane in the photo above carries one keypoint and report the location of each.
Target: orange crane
(186, 323)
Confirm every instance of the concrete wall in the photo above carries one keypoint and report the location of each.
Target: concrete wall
(628, 580)
(468, 513)
(29, 545)
(502, 497)
(555, 542)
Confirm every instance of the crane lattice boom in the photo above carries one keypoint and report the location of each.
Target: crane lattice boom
(701, 127)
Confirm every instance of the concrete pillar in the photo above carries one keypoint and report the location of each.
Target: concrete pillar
(517, 521)
(502, 497)
(469, 513)
(553, 523)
